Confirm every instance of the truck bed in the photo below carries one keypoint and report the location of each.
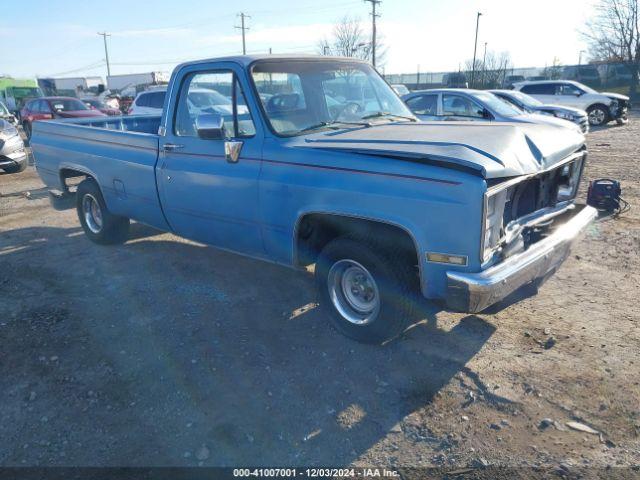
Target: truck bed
(119, 151)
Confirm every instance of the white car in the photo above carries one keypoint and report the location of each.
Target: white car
(149, 102)
(601, 107)
(201, 100)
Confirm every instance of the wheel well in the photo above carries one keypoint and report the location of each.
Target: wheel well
(598, 104)
(315, 231)
(70, 178)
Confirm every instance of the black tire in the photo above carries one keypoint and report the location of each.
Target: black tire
(17, 168)
(110, 229)
(26, 127)
(598, 115)
(395, 280)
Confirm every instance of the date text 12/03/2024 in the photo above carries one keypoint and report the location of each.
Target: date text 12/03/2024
(315, 473)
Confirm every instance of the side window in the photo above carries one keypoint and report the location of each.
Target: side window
(539, 89)
(460, 106)
(568, 89)
(423, 104)
(156, 99)
(219, 93)
(143, 100)
(43, 107)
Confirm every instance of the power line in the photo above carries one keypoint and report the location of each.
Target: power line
(373, 3)
(91, 66)
(106, 51)
(243, 28)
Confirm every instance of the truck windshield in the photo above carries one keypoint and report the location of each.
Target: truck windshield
(300, 96)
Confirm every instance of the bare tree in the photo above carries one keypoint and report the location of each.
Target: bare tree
(348, 39)
(491, 71)
(614, 35)
(553, 71)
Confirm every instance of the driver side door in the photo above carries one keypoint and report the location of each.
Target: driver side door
(207, 193)
(568, 94)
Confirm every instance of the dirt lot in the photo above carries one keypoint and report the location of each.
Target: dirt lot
(165, 352)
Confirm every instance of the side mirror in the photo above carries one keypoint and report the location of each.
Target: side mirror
(486, 114)
(210, 126)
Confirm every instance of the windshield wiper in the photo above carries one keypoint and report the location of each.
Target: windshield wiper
(388, 114)
(333, 124)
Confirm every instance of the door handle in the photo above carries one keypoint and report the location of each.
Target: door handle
(170, 147)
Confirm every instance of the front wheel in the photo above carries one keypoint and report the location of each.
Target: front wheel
(368, 293)
(98, 223)
(598, 115)
(17, 168)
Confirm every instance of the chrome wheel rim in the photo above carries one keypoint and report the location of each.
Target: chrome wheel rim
(92, 213)
(353, 292)
(597, 116)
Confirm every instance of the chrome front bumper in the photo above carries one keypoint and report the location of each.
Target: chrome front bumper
(473, 292)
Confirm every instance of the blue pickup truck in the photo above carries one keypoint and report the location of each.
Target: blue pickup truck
(316, 161)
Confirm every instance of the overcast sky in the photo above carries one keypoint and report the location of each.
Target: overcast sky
(58, 37)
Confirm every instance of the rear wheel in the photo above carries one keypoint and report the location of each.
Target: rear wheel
(598, 115)
(98, 223)
(368, 292)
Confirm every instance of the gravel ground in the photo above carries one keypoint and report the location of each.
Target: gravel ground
(163, 352)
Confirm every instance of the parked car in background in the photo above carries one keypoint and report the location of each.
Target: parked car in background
(582, 73)
(400, 89)
(13, 157)
(509, 80)
(473, 105)
(601, 107)
(149, 102)
(617, 74)
(384, 206)
(48, 108)
(99, 105)
(5, 114)
(202, 100)
(455, 80)
(529, 104)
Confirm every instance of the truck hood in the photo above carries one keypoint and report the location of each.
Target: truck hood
(492, 150)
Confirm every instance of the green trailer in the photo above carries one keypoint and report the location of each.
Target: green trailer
(14, 92)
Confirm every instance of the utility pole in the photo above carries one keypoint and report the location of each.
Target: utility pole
(106, 51)
(484, 63)
(475, 47)
(374, 15)
(243, 28)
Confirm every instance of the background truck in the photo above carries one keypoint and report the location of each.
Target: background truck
(384, 206)
(14, 92)
(133, 83)
(72, 87)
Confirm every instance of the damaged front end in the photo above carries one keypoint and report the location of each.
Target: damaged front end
(519, 211)
(529, 224)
